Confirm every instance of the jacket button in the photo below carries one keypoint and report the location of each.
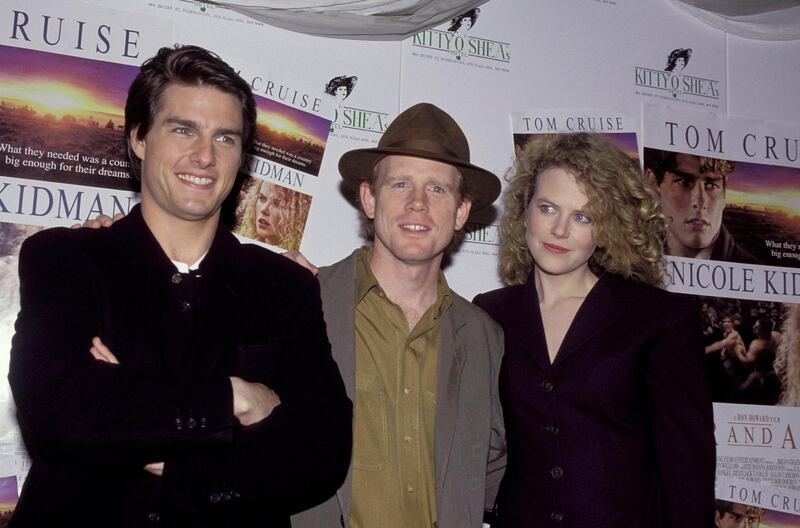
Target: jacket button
(178, 424)
(176, 278)
(552, 428)
(557, 472)
(191, 423)
(557, 517)
(215, 497)
(186, 306)
(153, 517)
(547, 386)
(203, 422)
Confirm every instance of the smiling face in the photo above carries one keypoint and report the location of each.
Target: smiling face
(267, 213)
(559, 232)
(190, 155)
(416, 208)
(693, 201)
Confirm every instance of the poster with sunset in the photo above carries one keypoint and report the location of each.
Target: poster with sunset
(62, 119)
(290, 136)
(754, 208)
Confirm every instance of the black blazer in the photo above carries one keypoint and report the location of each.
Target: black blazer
(618, 430)
(93, 426)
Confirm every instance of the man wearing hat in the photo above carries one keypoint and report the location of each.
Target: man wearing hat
(419, 361)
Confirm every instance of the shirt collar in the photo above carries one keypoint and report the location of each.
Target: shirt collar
(366, 281)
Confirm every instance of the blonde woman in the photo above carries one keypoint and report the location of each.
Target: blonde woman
(608, 414)
(273, 214)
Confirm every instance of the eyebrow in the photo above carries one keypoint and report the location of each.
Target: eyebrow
(194, 124)
(702, 175)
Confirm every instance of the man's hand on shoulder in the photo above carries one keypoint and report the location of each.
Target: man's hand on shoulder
(301, 259)
(100, 221)
(252, 402)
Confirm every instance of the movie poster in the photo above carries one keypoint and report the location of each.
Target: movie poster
(730, 188)
(282, 168)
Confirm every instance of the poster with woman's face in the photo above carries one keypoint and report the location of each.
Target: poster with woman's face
(271, 214)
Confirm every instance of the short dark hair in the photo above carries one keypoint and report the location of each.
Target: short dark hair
(189, 66)
(662, 161)
(723, 506)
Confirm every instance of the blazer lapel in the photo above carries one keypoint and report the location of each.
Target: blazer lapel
(599, 310)
(450, 366)
(524, 323)
(338, 290)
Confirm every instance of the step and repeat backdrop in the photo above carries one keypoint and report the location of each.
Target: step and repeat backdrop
(665, 87)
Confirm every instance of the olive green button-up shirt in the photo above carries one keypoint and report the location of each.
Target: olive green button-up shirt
(393, 448)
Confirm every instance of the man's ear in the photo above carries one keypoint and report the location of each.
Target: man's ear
(462, 213)
(367, 200)
(137, 145)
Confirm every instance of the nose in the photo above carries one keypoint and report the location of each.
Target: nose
(560, 227)
(418, 200)
(203, 153)
(699, 197)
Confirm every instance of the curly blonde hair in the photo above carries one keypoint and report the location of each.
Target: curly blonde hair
(291, 222)
(629, 227)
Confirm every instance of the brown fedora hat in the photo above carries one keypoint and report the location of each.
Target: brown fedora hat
(423, 131)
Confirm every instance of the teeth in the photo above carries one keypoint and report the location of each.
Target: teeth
(414, 227)
(197, 180)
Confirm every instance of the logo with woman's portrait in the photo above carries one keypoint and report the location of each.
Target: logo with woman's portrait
(677, 60)
(459, 26)
(457, 40)
(672, 79)
(340, 87)
(348, 117)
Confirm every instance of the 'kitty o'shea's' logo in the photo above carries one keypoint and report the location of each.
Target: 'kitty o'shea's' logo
(672, 83)
(459, 44)
(350, 118)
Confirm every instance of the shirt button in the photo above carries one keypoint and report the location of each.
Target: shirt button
(547, 386)
(406, 390)
(186, 306)
(176, 278)
(411, 489)
(407, 438)
(557, 517)
(153, 517)
(557, 472)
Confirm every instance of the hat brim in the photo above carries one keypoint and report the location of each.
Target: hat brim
(482, 185)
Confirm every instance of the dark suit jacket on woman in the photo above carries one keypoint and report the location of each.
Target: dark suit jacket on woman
(618, 430)
(93, 426)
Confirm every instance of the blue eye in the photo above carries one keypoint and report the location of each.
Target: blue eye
(582, 218)
(547, 209)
